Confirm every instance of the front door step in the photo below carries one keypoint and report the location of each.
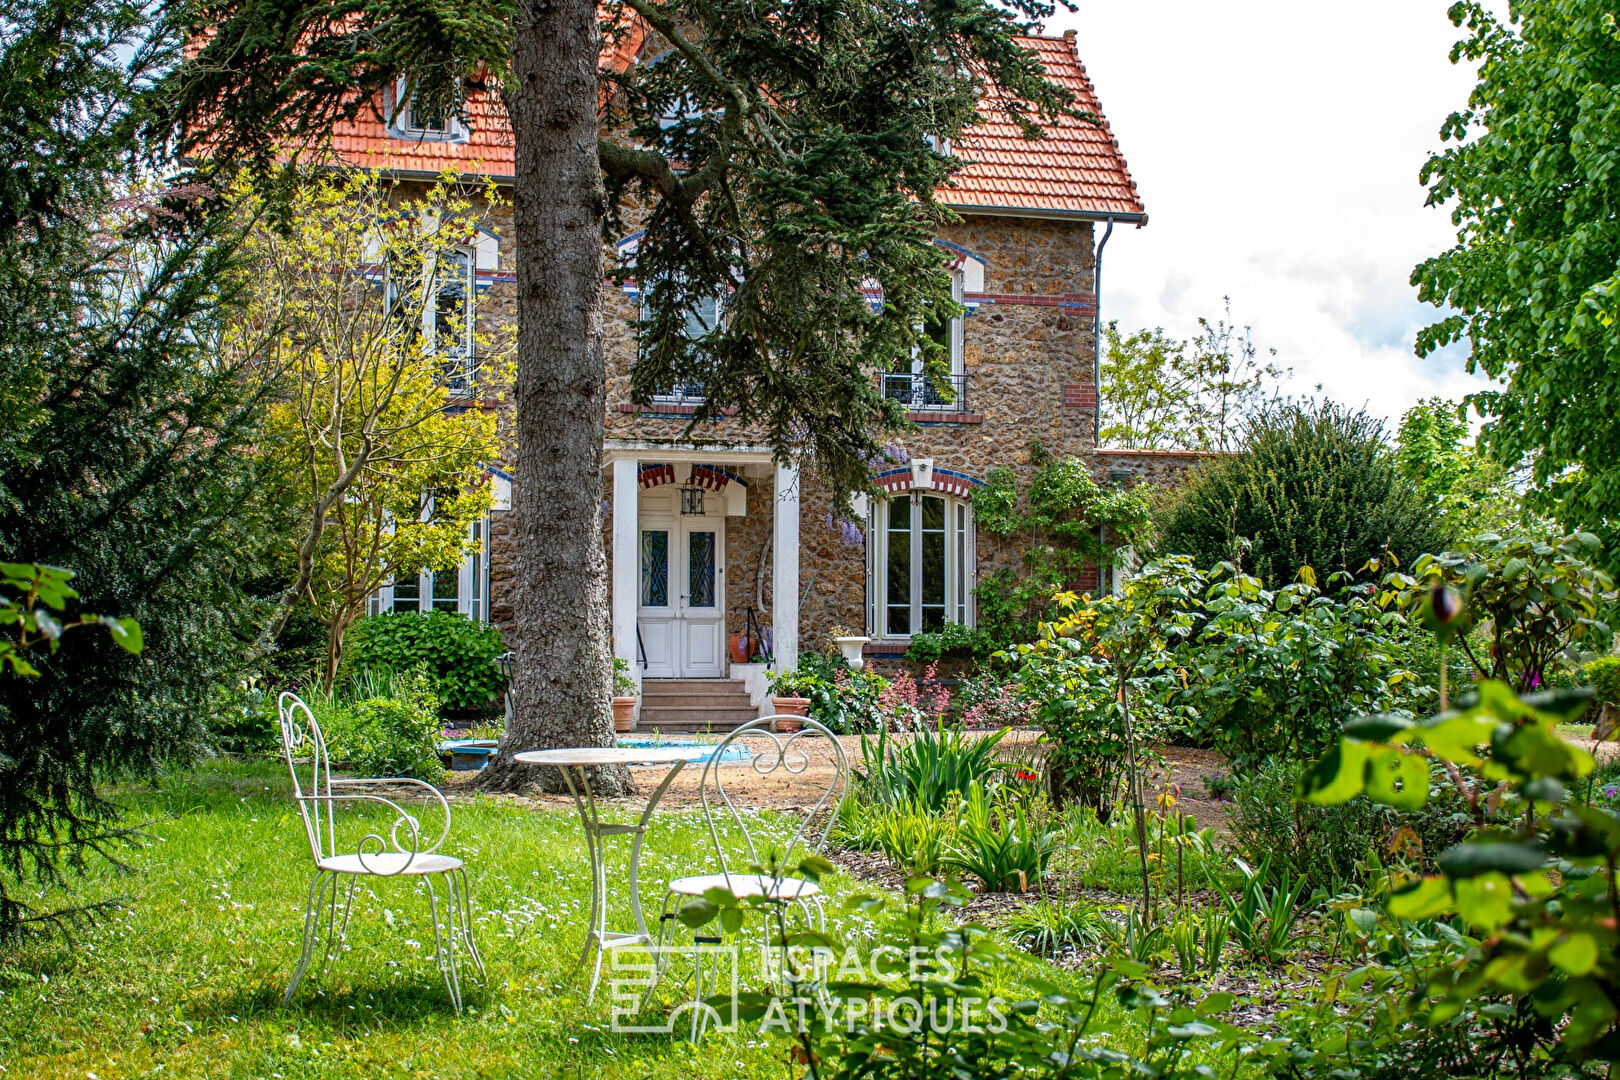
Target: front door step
(695, 704)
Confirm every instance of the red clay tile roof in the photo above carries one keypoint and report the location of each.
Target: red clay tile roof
(1076, 170)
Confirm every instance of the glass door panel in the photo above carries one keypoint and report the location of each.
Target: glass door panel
(700, 568)
(655, 568)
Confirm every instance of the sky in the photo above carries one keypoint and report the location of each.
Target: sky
(1276, 144)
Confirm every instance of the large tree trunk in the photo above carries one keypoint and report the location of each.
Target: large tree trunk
(563, 667)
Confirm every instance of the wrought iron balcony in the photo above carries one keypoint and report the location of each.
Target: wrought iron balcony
(689, 394)
(922, 393)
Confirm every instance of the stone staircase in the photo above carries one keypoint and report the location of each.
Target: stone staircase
(694, 705)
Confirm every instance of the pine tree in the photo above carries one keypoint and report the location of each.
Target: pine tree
(782, 154)
(121, 445)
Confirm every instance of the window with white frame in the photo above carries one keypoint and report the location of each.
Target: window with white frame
(451, 322)
(701, 317)
(411, 118)
(913, 387)
(463, 589)
(920, 563)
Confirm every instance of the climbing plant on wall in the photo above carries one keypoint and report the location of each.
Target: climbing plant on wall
(1069, 524)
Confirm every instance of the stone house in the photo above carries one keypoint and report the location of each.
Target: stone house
(708, 538)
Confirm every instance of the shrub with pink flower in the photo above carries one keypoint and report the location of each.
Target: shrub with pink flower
(907, 704)
(989, 703)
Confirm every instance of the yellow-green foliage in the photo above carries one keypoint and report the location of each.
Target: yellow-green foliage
(385, 476)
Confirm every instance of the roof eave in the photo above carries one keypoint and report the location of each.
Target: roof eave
(421, 174)
(1049, 213)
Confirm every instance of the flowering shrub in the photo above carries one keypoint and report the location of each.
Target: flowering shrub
(907, 705)
(846, 701)
(988, 702)
(852, 702)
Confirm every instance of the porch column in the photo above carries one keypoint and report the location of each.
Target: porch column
(785, 570)
(626, 562)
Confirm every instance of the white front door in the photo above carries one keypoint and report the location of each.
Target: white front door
(681, 614)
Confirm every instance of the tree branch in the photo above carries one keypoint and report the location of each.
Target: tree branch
(649, 165)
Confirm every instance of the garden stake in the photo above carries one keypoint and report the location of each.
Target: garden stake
(1136, 793)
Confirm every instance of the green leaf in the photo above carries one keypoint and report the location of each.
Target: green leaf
(1505, 857)
(1365, 920)
(698, 911)
(1398, 778)
(1485, 901)
(1424, 899)
(1513, 973)
(814, 867)
(1536, 749)
(19, 666)
(1564, 705)
(126, 632)
(1457, 737)
(1339, 776)
(1576, 954)
(1544, 789)
(1380, 728)
(731, 919)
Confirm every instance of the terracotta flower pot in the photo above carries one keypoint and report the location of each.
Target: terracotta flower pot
(624, 714)
(792, 706)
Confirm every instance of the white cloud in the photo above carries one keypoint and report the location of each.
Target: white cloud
(1277, 145)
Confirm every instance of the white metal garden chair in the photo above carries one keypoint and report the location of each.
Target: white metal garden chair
(769, 753)
(396, 855)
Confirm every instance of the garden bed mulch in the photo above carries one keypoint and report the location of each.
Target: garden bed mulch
(1261, 992)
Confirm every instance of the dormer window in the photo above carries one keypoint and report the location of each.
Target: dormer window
(939, 144)
(411, 119)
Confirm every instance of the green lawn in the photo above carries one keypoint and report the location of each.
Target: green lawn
(187, 981)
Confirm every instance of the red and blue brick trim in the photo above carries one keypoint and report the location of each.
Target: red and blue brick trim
(946, 481)
(709, 477)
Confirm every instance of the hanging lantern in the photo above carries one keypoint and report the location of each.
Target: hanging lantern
(692, 500)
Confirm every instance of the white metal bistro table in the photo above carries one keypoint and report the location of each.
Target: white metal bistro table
(572, 762)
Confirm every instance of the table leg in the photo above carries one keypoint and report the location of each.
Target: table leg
(593, 855)
(635, 848)
(590, 819)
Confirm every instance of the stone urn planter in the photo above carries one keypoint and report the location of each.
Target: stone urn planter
(624, 714)
(792, 707)
(851, 648)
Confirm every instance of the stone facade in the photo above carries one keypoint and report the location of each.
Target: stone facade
(1028, 354)
(1162, 468)
(1025, 248)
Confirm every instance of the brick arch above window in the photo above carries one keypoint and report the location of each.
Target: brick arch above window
(923, 475)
